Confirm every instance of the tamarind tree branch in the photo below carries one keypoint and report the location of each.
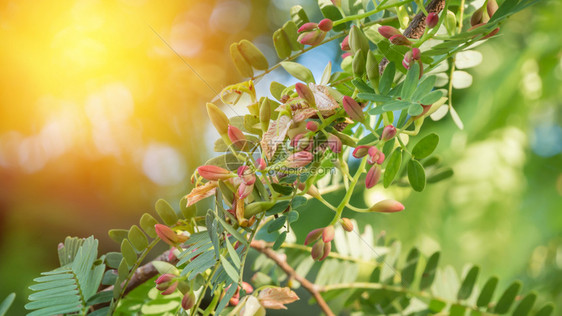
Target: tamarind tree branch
(262, 247)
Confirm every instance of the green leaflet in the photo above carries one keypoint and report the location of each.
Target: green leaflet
(6, 303)
(298, 71)
(468, 283)
(525, 305)
(128, 252)
(277, 224)
(279, 241)
(233, 255)
(428, 274)
(147, 223)
(416, 175)
(411, 82)
(425, 146)
(507, 298)
(231, 230)
(298, 15)
(392, 167)
(166, 212)
(488, 289)
(409, 270)
(137, 238)
(230, 270)
(387, 78)
(424, 88)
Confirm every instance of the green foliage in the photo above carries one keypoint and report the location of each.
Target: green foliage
(72, 287)
(6, 303)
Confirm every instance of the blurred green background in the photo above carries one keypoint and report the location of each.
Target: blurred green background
(100, 119)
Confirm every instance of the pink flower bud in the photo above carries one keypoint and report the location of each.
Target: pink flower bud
(373, 176)
(244, 190)
(416, 54)
(360, 151)
(374, 154)
(345, 43)
(317, 251)
(328, 234)
(313, 235)
(431, 20)
(305, 93)
(325, 25)
(344, 56)
(388, 31)
(188, 301)
(353, 109)
(247, 287)
(400, 40)
(214, 173)
(491, 7)
(327, 249)
(171, 289)
(296, 139)
(299, 159)
(164, 278)
(307, 27)
(334, 143)
(312, 38)
(408, 59)
(236, 136)
(388, 132)
(346, 224)
(246, 175)
(169, 236)
(492, 33)
(261, 164)
(476, 17)
(387, 206)
(312, 126)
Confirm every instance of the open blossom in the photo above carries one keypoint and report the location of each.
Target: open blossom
(375, 156)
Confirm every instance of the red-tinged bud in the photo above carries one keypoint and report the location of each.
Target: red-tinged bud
(313, 191)
(334, 143)
(171, 289)
(317, 251)
(387, 206)
(328, 234)
(361, 151)
(346, 224)
(299, 159)
(416, 54)
(408, 59)
(313, 235)
(431, 20)
(374, 154)
(305, 143)
(168, 235)
(491, 7)
(305, 93)
(247, 287)
(476, 17)
(400, 40)
(353, 109)
(307, 27)
(171, 255)
(492, 33)
(325, 25)
(234, 301)
(345, 44)
(296, 139)
(188, 301)
(261, 164)
(164, 278)
(244, 190)
(373, 176)
(312, 38)
(214, 173)
(388, 31)
(405, 63)
(344, 56)
(312, 126)
(246, 175)
(236, 136)
(327, 249)
(388, 132)
(381, 159)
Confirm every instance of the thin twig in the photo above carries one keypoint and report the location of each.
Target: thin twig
(261, 246)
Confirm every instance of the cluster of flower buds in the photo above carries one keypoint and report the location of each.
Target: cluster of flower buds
(375, 159)
(167, 283)
(314, 33)
(411, 57)
(482, 16)
(394, 35)
(322, 239)
(169, 236)
(236, 297)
